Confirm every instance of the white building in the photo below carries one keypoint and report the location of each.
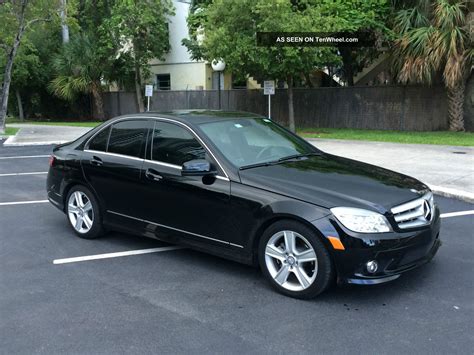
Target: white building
(177, 71)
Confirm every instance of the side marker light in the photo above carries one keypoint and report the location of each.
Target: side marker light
(336, 243)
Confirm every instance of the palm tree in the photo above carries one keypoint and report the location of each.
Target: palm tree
(79, 70)
(434, 41)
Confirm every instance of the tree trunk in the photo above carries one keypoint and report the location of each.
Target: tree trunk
(469, 103)
(291, 112)
(7, 74)
(309, 83)
(64, 26)
(455, 107)
(346, 55)
(138, 89)
(21, 116)
(98, 102)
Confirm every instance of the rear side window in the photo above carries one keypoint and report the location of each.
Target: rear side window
(99, 142)
(173, 144)
(128, 137)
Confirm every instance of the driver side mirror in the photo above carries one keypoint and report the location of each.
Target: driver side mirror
(197, 167)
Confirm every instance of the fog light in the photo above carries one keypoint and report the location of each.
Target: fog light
(372, 266)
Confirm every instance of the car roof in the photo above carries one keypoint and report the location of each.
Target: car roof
(197, 116)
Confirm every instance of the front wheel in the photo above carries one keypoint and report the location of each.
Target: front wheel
(295, 260)
(83, 213)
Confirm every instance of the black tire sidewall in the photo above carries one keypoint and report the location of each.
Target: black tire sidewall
(96, 229)
(325, 265)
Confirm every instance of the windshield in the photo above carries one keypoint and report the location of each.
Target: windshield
(251, 141)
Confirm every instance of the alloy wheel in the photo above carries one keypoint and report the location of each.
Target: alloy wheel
(80, 212)
(291, 260)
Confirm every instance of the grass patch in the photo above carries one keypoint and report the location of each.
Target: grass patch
(10, 131)
(439, 137)
(56, 123)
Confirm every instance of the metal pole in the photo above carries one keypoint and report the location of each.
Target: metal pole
(269, 106)
(220, 73)
(148, 104)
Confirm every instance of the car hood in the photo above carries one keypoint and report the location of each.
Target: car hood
(330, 181)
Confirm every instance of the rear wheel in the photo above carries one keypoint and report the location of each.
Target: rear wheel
(83, 213)
(295, 260)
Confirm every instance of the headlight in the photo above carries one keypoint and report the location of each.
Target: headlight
(361, 221)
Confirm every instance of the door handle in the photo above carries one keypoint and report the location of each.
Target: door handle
(96, 161)
(152, 174)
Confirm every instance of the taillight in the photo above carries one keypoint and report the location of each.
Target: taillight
(51, 160)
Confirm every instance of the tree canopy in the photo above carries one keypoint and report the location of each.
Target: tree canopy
(228, 30)
(17, 18)
(137, 32)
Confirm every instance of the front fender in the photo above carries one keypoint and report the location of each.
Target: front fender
(300, 211)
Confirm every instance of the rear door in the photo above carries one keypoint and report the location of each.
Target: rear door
(195, 207)
(112, 164)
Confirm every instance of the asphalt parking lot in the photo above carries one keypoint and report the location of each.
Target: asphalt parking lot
(182, 301)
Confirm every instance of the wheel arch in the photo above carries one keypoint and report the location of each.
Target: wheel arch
(281, 217)
(70, 184)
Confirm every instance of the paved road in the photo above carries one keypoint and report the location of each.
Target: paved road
(188, 302)
(448, 167)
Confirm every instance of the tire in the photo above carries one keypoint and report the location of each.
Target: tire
(302, 270)
(84, 216)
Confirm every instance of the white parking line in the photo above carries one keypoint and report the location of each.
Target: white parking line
(22, 202)
(455, 214)
(114, 255)
(18, 174)
(25, 157)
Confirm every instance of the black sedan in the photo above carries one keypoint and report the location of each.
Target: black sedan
(242, 187)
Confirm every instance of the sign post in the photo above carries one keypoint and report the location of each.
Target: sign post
(148, 94)
(269, 89)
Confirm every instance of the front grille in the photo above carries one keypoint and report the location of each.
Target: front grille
(415, 213)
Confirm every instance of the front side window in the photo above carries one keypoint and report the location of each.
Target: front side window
(127, 137)
(173, 144)
(99, 142)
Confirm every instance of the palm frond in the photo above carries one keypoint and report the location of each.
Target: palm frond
(449, 14)
(78, 68)
(439, 46)
(408, 19)
(456, 70)
(68, 88)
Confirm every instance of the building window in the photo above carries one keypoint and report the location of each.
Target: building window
(163, 82)
(239, 84)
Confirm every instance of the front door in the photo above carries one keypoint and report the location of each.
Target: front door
(191, 207)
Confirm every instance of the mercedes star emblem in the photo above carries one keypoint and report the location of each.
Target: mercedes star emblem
(426, 210)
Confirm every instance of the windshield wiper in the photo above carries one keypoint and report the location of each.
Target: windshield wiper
(257, 165)
(296, 156)
(273, 162)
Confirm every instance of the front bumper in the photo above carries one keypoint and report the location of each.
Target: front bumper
(395, 253)
(392, 274)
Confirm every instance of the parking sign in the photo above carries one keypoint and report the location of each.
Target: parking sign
(148, 90)
(269, 87)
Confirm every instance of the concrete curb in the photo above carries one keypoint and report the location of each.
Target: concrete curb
(11, 143)
(453, 193)
(382, 143)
